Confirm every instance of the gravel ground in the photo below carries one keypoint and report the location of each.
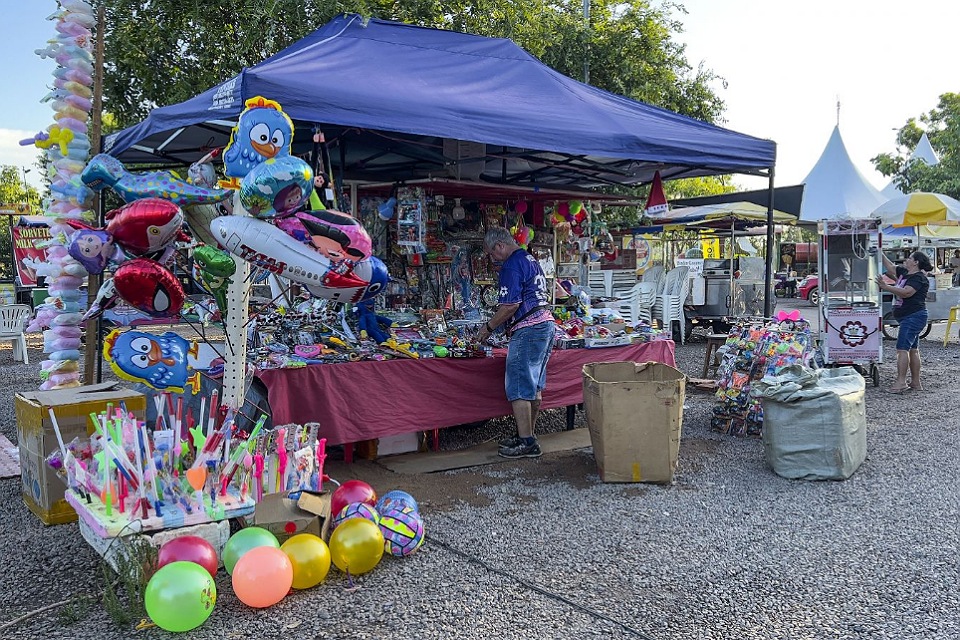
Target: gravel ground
(541, 548)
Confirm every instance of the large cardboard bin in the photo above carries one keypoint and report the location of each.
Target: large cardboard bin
(634, 412)
(42, 489)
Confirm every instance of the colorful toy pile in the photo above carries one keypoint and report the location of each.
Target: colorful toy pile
(752, 351)
(181, 594)
(67, 147)
(315, 333)
(191, 467)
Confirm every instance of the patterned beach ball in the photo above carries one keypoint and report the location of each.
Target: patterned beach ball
(356, 510)
(402, 531)
(395, 499)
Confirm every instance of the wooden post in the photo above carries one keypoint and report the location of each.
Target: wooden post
(91, 353)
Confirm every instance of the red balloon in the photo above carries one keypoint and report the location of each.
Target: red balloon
(352, 491)
(149, 287)
(189, 549)
(145, 226)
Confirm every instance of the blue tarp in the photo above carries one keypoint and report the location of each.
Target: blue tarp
(362, 81)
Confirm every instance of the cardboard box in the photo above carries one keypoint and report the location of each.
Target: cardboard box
(634, 414)
(285, 516)
(42, 489)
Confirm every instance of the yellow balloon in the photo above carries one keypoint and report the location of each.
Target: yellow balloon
(356, 545)
(310, 558)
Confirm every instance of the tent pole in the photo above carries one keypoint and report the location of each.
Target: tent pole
(768, 272)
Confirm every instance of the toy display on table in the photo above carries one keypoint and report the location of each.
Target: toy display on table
(753, 350)
(130, 476)
(316, 332)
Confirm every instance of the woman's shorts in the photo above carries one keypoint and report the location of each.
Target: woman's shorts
(527, 356)
(908, 336)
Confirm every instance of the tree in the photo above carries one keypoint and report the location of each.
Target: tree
(942, 126)
(13, 190)
(161, 52)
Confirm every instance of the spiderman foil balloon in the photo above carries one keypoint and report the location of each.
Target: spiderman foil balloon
(160, 362)
(149, 287)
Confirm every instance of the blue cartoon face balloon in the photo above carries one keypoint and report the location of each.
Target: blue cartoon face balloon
(263, 132)
(276, 187)
(160, 362)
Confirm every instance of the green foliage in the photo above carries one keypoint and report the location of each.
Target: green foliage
(13, 190)
(161, 52)
(942, 125)
(75, 610)
(123, 591)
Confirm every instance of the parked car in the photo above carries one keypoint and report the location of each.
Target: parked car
(809, 289)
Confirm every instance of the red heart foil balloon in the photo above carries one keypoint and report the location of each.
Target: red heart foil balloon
(149, 287)
(145, 226)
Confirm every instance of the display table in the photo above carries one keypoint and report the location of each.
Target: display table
(358, 401)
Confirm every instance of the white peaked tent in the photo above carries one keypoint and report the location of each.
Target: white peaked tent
(924, 153)
(834, 188)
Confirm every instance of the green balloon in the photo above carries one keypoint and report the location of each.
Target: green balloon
(244, 540)
(180, 596)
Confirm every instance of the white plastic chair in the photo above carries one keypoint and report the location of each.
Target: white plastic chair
(637, 304)
(669, 304)
(622, 282)
(13, 320)
(598, 282)
(653, 274)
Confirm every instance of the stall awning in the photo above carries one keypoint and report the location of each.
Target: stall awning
(401, 102)
(722, 216)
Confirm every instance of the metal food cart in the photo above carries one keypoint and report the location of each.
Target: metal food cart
(851, 309)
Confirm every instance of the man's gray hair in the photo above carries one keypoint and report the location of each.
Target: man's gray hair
(497, 234)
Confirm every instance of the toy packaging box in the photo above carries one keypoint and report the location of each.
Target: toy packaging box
(43, 491)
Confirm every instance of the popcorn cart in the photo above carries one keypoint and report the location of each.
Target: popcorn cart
(851, 310)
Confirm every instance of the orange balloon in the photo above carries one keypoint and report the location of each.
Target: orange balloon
(197, 477)
(310, 558)
(262, 577)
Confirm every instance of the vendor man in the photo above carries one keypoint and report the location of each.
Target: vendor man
(524, 307)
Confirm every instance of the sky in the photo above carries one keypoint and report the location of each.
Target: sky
(786, 64)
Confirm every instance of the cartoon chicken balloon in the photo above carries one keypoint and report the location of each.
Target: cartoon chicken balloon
(263, 132)
(160, 362)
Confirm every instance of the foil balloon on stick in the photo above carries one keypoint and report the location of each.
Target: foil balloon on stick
(160, 362)
(105, 171)
(145, 227)
(149, 287)
(263, 132)
(213, 269)
(276, 187)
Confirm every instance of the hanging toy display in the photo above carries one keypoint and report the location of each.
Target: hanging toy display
(66, 145)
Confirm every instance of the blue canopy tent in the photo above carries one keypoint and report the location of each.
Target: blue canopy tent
(365, 82)
(397, 102)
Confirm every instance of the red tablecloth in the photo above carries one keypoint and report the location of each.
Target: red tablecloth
(364, 400)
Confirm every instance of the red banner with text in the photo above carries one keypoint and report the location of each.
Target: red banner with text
(25, 247)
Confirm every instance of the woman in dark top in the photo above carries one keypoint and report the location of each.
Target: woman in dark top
(910, 310)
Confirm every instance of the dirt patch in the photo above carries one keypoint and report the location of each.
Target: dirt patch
(439, 492)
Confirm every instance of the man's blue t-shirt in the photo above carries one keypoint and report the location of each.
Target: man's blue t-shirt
(522, 280)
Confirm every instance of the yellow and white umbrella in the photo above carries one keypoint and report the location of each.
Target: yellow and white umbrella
(919, 208)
